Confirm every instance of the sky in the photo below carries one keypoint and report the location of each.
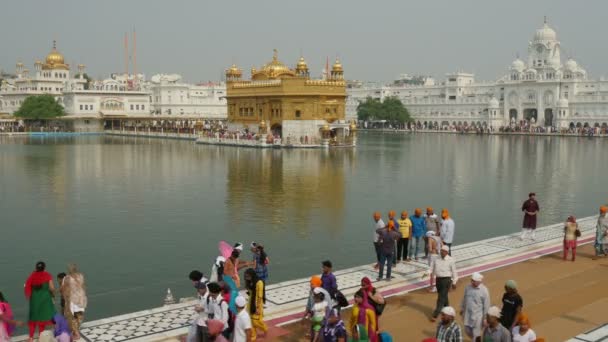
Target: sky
(375, 40)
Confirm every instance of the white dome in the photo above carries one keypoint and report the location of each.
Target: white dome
(545, 33)
(518, 65)
(562, 103)
(493, 103)
(532, 71)
(571, 65)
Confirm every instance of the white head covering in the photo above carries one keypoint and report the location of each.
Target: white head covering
(477, 276)
(494, 312)
(448, 310)
(240, 301)
(238, 246)
(445, 248)
(219, 260)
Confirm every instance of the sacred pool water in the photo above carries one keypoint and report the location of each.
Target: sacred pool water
(138, 214)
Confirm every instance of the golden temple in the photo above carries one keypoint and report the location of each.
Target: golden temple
(288, 104)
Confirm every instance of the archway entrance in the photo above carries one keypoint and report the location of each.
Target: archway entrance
(531, 113)
(548, 117)
(513, 115)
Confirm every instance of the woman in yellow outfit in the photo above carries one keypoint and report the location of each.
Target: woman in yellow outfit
(405, 228)
(362, 325)
(257, 297)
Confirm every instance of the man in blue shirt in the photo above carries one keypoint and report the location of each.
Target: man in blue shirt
(418, 231)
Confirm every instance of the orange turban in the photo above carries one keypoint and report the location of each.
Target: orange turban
(523, 319)
(418, 212)
(377, 215)
(445, 214)
(603, 209)
(315, 281)
(404, 213)
(429, 209)
(391, 214)
(391, 224)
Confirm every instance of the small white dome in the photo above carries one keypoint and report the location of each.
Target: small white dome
(571, 65)
(562, 103)
(518, 65)
(493, 103)
(532, 71)
(545, 33)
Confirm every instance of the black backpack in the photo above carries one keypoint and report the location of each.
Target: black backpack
(341, 300)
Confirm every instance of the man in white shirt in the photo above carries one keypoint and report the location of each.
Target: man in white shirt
(378, 224)
(475, 306)
(202, 334)
(214, 307)
(242, 326)
(447, 229)
(446, 277)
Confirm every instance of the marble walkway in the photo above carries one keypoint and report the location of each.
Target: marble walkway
(285, 301)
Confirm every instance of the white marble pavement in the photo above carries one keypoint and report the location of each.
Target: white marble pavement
(596, 335)
(286, 300)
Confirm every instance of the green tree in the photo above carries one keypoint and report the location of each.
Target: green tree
(395, 111)
(86, 77)
(391, 110)
(370, 109)
(40, 107)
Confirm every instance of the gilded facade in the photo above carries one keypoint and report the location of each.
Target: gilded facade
(287, 102)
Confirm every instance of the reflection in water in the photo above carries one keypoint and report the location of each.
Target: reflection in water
(138, 214)
(282, 189)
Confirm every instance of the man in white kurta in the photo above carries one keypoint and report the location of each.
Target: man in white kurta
(474, 306)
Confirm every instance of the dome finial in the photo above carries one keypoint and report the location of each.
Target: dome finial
(545, 20)
(275, 55)
(54, 44)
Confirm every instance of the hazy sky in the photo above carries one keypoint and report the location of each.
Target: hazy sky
(376, 40)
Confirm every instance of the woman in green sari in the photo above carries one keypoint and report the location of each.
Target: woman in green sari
(39, 290)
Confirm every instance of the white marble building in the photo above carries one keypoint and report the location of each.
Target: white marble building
(542, 90)
(170, 96)
(86, 105)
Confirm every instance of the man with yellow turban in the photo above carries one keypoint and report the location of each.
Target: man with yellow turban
(601, 231)
(447, 229)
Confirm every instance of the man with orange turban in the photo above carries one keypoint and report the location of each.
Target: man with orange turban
(432, 224)
(388, 236)
(378, 223)
(418, 231)
(601, 232)
(447, 229)
(391, 217)
(522, 330)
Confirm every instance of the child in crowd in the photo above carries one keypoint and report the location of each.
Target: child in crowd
(60, 277)
(319, 310)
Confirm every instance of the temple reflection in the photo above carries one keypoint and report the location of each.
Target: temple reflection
(288, 190)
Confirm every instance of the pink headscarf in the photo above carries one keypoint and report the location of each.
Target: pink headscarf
(373, 336)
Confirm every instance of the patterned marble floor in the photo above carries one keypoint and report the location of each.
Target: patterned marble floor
(288, 297)
(596, 335)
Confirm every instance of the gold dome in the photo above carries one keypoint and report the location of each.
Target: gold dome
(55, 60)
(234, 71)
(302, 64)
(337, 66)
(262, 124)
(274, 69)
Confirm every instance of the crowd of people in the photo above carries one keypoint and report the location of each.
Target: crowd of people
(65, 317)
(223, 315)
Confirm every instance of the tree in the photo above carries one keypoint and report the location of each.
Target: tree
(40, 107)
(391, 110)
(369, 109)
(86, 77)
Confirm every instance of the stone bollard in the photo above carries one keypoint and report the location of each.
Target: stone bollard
(169, 298)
